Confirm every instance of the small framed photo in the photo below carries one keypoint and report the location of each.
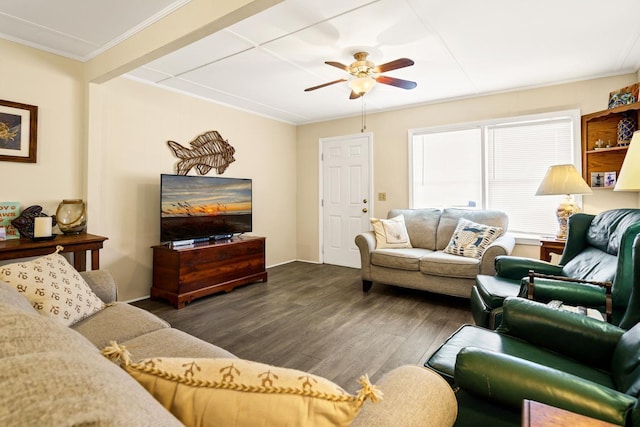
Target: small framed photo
(18, 132)
(609, 179)
(597, 179)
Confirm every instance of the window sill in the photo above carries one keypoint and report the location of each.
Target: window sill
(527, 239)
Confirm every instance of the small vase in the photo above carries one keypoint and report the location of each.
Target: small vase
(626, 127)
(71, 216)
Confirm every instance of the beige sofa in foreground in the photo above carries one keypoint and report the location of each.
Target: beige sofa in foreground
(424, 265)
(55, 375)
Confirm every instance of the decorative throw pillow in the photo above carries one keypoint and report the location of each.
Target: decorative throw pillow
(53, 287)
(236, 392)
(470, 239)
(391, 233)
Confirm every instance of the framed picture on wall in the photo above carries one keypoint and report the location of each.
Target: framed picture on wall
(18, 132)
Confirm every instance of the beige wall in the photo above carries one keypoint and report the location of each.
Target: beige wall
(130, 152)
(54, 85)
(115, 163)
(390, 168)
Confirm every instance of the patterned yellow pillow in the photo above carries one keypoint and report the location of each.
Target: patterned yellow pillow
(53, 287)
(236, 392)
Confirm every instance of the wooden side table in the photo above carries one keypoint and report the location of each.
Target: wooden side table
(551, 245)
(540, 415)
(78, 244)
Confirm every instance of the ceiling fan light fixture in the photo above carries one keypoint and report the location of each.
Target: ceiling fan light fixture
(362, 85)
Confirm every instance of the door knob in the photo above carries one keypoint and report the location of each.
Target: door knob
(365, 210)
(365, 201)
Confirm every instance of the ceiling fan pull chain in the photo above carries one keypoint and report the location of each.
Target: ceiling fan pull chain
(364, 115)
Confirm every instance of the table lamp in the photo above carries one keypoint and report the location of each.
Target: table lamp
(563, 179)
(629, 176)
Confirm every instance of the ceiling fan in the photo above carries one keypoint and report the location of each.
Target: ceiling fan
(365, 74)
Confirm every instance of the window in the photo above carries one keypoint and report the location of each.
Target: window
(495, 164)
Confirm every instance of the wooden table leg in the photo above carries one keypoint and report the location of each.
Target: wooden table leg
(80, 260)
(95, 259)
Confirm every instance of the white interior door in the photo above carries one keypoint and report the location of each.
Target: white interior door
(346, 196)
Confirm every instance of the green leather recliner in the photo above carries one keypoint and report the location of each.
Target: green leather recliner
(548, 355)
(599, 247)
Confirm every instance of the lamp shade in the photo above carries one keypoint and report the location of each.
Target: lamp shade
(362, 85)
(629, 177)
(562, 179)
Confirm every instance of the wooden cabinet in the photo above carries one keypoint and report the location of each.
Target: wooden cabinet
(185, 273)
(604, 125)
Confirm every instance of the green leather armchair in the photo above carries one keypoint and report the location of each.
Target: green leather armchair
(552, 356)
(599, 248)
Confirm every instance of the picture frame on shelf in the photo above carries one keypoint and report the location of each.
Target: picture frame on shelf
(626, 95)
(18, 132)
(609, 179)
(597, 179)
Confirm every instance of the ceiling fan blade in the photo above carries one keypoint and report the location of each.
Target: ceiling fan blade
(404, 84)
(324, 85)
(354, 95)
(393, 65)
(337, 65)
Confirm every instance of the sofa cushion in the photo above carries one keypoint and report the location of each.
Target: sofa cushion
(154, 344)
(401, 259)
(592, 264)
(107, 325)
(51, 375)
(451, 216)
(442, 264)
(53, 287)
(470, 239)
(421, 225)
(236, 392)
(9, 295)
(390, 233)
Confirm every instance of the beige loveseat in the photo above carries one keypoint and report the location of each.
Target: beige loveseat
(424, 265)
(55, 375)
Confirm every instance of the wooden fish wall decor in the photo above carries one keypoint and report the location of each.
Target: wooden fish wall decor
(208, 151)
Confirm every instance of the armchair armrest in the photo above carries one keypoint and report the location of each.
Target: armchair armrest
(366, 243)
(570, 291)
(102, 283)
(515, 268)
(509, 380)
(503, 245)
(582, 338)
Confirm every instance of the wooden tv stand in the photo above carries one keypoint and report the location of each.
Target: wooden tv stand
(184, 273)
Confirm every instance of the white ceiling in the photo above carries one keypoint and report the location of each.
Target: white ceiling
(263, 64)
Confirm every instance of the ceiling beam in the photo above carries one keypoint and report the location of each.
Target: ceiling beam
(193, 21)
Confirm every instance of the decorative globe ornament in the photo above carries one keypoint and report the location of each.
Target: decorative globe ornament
(72, 216)
(626, 127)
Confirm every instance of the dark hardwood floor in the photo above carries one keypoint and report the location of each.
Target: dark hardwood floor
(317, 319)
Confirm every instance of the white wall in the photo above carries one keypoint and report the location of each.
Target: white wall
(391, 147)
(130, 152)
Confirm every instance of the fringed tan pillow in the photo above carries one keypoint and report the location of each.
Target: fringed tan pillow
(53, 287)
(237, 393)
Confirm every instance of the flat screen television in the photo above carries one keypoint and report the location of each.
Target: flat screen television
(195, 207)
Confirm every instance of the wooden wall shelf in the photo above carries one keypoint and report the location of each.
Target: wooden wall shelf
(604, 125)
